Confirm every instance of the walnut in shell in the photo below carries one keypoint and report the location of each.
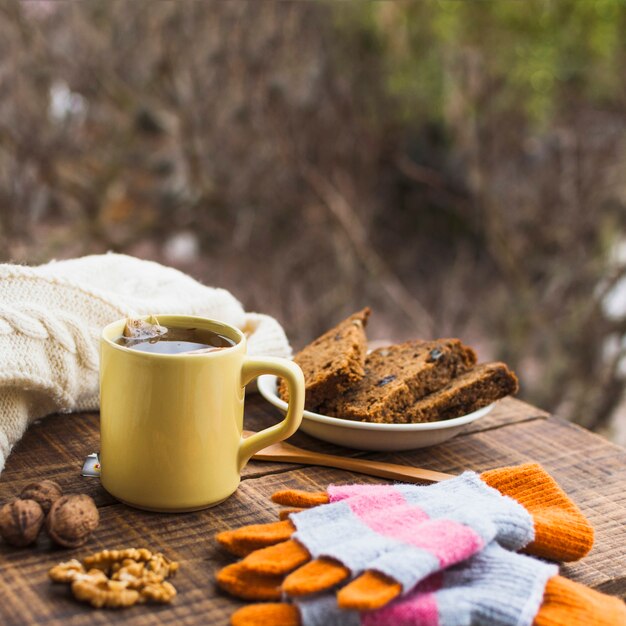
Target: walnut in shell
(45, 492)
(20, 522)
(72, 519)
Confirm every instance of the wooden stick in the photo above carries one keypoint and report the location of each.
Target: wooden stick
(286, 453)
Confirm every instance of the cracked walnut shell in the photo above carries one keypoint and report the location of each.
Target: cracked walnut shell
(72, 519)
(45, 492)
(20, 522)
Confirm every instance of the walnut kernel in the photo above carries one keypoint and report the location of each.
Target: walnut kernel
(161, 565)
(72, 519)
(119, 578)
(66, 572)
(95, 588)
(162, 592)
(107, 558)
(20, 522)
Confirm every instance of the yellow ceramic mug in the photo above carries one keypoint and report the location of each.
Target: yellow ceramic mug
(170, 424)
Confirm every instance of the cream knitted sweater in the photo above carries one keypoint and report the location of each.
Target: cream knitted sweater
(50, 322)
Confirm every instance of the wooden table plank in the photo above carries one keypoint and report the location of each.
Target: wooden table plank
(590, 469)
(507, 411)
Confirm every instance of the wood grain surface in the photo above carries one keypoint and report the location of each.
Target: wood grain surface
(590, 469)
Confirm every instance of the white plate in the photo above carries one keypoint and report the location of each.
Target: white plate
(370, 436)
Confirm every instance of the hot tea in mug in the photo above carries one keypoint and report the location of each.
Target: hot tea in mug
(171, 410)
(178, 341)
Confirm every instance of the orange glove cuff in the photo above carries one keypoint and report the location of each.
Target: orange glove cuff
(566, 603)
(562, 533)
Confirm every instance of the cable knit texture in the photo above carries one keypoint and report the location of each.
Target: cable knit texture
(50, 322)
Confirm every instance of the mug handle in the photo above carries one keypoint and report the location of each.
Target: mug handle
(255, 366)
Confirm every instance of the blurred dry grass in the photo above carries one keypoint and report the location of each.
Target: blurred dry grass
(260, 147)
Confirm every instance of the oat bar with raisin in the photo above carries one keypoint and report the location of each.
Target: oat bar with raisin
(471, 391)
(333, 362)
(398, 376)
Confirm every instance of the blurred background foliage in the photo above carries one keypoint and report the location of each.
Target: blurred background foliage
(458, 166)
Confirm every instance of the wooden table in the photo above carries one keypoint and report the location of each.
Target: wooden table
(591, 470)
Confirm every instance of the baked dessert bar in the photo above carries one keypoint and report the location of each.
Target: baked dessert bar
(471, 391)
(333, 362)
(398, 376)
